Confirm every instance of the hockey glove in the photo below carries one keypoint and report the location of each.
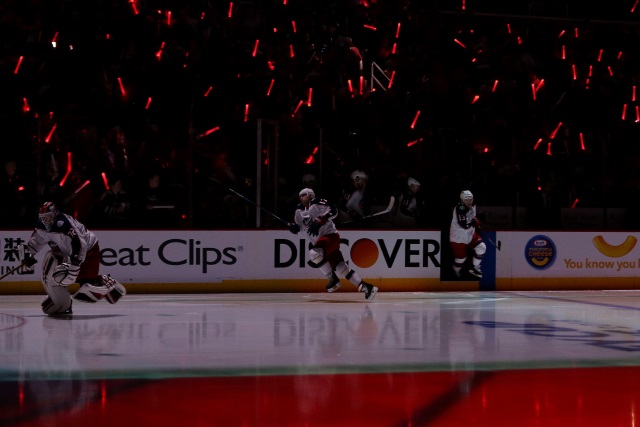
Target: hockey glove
(314, 227)
(27, 259)
(475, 222)
(66, 274)
(294, 228)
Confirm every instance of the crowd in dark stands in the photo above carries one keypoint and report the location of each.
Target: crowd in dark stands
(145, 114)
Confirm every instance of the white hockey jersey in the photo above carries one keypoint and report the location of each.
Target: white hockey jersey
(462, 228)
(317, 208)
(67, 237)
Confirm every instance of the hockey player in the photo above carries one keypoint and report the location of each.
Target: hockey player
(73, 257)
(315, 217)
(464, 237)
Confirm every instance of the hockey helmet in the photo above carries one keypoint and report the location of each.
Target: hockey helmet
(309, 192)
(466, 197)
(47, 214)
(358, 176)
(413, 181)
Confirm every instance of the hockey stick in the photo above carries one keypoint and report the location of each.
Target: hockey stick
(484, 236)
(11, 271)
(392, 200)
(251, 201)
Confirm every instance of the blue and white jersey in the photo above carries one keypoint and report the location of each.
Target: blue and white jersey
(66, 237)
(317, 208)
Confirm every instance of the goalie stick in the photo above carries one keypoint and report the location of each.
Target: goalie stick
(251, 201)
(392, 201)
(10, 271)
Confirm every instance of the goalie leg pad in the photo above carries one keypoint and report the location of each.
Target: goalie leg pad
(59, 299)
(105, 287)
(116, 289)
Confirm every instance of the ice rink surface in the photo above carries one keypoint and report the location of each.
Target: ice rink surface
(544, 358)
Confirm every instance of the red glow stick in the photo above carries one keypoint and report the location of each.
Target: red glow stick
(246, 112)
(620, 55)
(393, 74)
(495, 86)
(564, 52)
(624, 112)
(637, 114)
(69, 168)
(18, 65)
(134, 7)
(25, 105)
(475, 99)
(208, 91)
(398, 31)
(575, 74)
(582, 141)
(394, 49)
(350, 86)
(291, 53)
(508, 28)
(230, 9)
(575, 202)
(361, 84)
(561, 34)
(549, 149)
(169, 18)
(270, 87)
(535, 147)
(540, 84)
(54, 40)
(575, 31)
(633, 93)
(415, 119)
(81, 187)
(519, 40)
(600, 55)
(146, 107)
(370, 27)
(209, 132)
(122, 91)
(533, 90)
(555, 131)
(459, 43)
(297, 108)
(255, 48)
(310, 96)
(634, 6)
(293, 25)
(610, 71)
(105, 180)
(53, 129)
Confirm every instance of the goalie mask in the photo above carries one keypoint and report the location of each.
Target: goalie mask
(47, 214)
(466, 197)
(309, 192)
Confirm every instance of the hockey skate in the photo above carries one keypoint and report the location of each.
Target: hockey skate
(369, 290)
(334, 283)
(475, 271)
